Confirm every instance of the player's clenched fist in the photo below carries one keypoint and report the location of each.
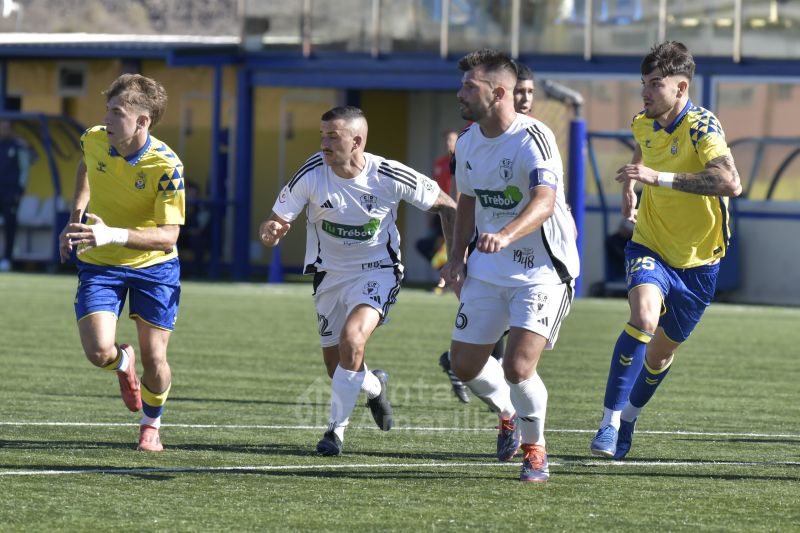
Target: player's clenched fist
(639, 173)
(491, 243)
(272, 230)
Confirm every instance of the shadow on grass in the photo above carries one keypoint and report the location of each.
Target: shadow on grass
(405, 474)
(320, 467)
(169, 473)
(309, 450)
(356, 471)
(64, 445)
(671, 462)
(276, 449)
(582, 465)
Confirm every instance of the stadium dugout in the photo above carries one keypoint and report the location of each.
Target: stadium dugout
(53, 142)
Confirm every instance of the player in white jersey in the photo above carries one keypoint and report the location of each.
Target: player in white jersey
(519, 275)
(353, 251)
(524, 91)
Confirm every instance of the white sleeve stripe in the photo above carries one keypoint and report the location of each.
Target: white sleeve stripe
(541, 141)
(312, 162)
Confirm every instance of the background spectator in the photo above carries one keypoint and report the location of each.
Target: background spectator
(14, 166)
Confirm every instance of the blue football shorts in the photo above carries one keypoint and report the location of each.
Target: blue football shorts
(155, 291)
(685, 292)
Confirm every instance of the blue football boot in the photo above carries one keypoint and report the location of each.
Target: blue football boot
(330, 444)
(508, 439)
(624, 439)
(604, 442)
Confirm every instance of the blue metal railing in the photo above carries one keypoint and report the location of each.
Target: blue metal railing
(729, 270)
(761, 144)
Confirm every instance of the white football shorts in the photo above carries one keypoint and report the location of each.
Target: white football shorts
(338, 294)
(486, 311)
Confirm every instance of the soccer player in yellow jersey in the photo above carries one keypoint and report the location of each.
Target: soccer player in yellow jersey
(128, 208)
(681, 233)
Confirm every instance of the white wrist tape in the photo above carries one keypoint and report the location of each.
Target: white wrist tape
(665, 179)
(104, 235)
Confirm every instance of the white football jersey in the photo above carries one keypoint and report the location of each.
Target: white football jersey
(500, 173)
(351, 222)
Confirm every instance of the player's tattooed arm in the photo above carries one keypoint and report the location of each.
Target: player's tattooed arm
(718, 178)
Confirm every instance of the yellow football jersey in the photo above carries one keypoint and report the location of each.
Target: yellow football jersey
(140, 191)
(686, 230)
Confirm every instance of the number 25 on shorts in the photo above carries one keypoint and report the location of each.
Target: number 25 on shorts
(647, 263)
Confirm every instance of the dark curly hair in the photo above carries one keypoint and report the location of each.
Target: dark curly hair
(489, 60)
(671, 58)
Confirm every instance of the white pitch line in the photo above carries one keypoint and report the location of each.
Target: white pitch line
(396, 428)
(380, 466)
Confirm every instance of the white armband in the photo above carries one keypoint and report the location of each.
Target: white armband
(665, 179)
(104, 235)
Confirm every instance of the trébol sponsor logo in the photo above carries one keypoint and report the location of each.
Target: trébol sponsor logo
(506, 199)
(358, 233)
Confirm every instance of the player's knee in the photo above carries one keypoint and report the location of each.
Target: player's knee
(518, 369)
(658, 357)
(513, 372)
(644, 322)
(155, 362)
(100, 355)
(351, 353)
(463, 367)
(460, 369)
(353, 339)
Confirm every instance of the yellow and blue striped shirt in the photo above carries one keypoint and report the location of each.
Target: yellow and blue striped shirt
(142, 190)
(686, 230)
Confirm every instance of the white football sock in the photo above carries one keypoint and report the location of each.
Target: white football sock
(530, 400)
(337, 430)
(122, 364)
(630, 412)
(371, 385)
(610, 418)
(345, 388)
(147, 421)
(491, 387)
